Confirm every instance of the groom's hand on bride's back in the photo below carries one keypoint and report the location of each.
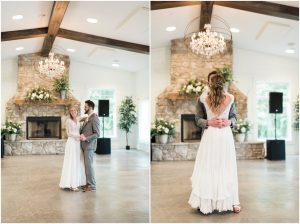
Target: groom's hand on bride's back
(215, 122)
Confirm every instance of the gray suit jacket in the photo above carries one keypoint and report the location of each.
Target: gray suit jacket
(91, 130)
(201, 116)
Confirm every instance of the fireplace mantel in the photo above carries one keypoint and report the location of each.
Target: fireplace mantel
(58, 102)
(176, 96)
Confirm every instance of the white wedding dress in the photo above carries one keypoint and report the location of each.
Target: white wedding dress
(214, 179)
(73, 171)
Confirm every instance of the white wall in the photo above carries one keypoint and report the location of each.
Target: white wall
(9, 72)
(86, 76)
(251, 66)
(142, 94)
(160, 74)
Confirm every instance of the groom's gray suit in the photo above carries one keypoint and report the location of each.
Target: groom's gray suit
(201, 115)
(91, 130)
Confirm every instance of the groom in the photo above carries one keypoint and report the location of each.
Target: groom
(88, 141)
(201, 116)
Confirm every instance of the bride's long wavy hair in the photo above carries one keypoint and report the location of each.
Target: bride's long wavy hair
(216, 95)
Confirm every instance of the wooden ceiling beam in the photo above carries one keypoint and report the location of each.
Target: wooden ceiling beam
(261, 7)
(266, 8)
(24, 34)
(206, 13)
(58, 11)
(103, 41)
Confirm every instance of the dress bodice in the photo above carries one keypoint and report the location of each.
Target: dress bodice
(224, 113)
(72, 128)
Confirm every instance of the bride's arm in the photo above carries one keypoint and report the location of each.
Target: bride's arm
(69, 130)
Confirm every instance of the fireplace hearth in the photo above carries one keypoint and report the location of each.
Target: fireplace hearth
(43, 127)
(190, 132)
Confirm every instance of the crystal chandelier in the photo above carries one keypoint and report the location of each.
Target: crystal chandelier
(207, 43)
(210, 41)
(51, 66)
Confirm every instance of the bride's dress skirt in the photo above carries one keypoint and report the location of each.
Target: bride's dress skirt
(214, 179)
(73, 171)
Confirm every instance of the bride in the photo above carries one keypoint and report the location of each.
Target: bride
(73, 171)
(214, 179)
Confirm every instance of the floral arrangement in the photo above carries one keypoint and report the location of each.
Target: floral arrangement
(11, 127)
(192, 88)
(296, 114)
(61, 83)
(241, 127)
(162, 127)
(226, 72)
(39, 94)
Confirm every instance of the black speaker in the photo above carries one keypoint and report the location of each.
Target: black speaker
(103, 108)
(275, 102)
(103, 146)
(276, 149)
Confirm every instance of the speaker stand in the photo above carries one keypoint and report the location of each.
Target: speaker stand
(275, 125)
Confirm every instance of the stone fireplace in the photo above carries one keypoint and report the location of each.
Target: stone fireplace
(40, 133)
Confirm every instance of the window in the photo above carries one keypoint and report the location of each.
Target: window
(265, 120)
(109, 122)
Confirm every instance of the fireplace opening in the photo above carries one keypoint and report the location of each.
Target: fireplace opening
(190, 132)
(43, 127)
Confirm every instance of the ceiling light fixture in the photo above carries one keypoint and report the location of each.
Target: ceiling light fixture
(19, 48)
(17, 17)
(92, 20)
(51, 66)
(290, 51)
(171, 28)
(210, 41)
(115, 64)
(234, 30)
(71, 50)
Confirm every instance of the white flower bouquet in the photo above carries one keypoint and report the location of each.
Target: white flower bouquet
(192, 88)
(241, 127)
(39, 95)
(11, 127)
(162, 127)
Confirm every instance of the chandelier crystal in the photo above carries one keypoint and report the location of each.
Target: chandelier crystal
(51, 66)
(210, 42)
(207, 42)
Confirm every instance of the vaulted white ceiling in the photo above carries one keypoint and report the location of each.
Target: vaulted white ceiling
(258, 32)
(125, 21)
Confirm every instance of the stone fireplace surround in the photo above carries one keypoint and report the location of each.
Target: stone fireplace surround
(17, 109)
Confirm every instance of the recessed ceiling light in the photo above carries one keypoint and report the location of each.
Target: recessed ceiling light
(115, 64)
(71, 50)
(19, 48)
(290, 51)
(171, 28)
(17, 17)
(234, 30)
(92, 20)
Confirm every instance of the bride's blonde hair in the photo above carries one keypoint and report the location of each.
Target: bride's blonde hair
(216, 94)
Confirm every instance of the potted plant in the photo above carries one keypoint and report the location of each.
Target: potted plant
(226, 72)
(127, 116)
(12, 129)
(162, 129)
(240, 129)
(62, 85)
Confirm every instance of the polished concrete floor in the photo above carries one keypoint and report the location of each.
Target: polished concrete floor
(30, 191)
(268, 190)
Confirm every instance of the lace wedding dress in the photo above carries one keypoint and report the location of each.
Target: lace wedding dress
(73, 171)
(214, 179)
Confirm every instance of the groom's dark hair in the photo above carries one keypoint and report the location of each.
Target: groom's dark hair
(90, 103)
